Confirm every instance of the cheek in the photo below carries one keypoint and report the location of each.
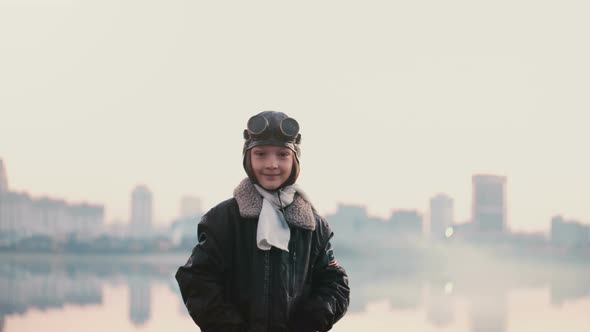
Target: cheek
(256, 164)
(287, 165)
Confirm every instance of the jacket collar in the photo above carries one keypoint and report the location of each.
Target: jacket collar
(298, 214)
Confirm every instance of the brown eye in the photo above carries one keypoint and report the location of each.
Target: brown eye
(257, 153)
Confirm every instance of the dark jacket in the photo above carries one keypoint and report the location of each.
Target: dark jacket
(228, 284)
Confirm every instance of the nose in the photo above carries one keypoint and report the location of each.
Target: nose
(272, 163)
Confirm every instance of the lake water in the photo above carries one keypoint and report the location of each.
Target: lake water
(138, 293)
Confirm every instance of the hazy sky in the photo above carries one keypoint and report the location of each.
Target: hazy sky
(396, 100)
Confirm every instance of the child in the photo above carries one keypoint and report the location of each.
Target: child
(264, 260)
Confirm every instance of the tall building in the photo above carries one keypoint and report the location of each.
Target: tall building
(4, 222)
(3, 179)
(569, 232)
(190, 206)
(441, 215)
(141, 208)
(489, 203)
(349, 219)
(23, 216)
(406, 221)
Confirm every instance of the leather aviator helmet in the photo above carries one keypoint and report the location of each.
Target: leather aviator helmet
(272, 128)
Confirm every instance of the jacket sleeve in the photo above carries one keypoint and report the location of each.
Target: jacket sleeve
(330, 293)
(201, 280)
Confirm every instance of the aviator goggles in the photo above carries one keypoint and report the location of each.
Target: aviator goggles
(259, 127)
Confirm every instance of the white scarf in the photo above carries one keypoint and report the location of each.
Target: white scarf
(273, 229)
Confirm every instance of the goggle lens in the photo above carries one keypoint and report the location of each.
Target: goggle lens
(257, 125)
(289, 127)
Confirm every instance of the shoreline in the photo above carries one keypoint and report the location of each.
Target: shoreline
(98, 257)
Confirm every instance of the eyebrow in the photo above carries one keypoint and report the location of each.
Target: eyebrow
(262, 148)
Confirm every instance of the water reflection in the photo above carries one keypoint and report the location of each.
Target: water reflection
(440, 304)
(139, 299)
(40, 285)
(436, 287)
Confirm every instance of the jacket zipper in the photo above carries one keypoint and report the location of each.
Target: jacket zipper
(267, 286)
(293, 265)
(292, 279)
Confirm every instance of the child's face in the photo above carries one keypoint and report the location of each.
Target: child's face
(271, 165)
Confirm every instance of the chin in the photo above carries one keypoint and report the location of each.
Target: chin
(270, 186)
(267, 187)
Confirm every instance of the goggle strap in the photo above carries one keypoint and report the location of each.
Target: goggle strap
(298, 139)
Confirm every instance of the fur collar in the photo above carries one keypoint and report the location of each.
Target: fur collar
(298, 214)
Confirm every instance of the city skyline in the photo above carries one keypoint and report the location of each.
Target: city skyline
(396, 101)
(484, 193)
